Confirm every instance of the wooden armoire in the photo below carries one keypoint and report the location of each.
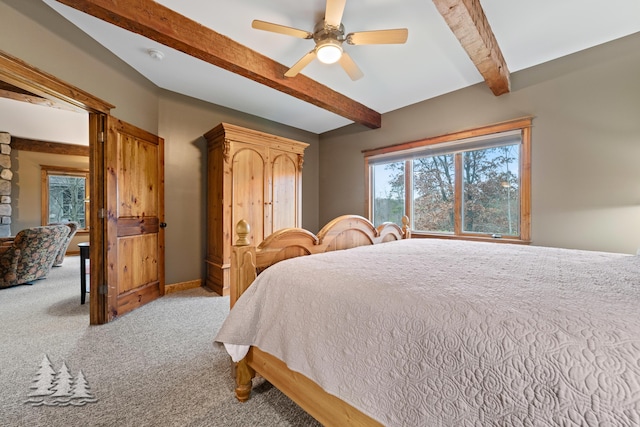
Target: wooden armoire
(253, 176)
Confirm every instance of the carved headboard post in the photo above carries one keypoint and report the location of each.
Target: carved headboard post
(243, 263)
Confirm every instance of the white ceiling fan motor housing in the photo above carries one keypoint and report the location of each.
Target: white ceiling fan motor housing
(329, 41)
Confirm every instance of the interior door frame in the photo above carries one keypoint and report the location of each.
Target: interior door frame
(20, 74)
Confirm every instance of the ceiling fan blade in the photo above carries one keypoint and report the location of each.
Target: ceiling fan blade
(397, 36)
(281, 29)
(303, 62)
(350, 67)
(334, 11)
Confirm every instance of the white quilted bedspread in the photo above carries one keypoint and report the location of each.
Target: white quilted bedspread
(428, 332)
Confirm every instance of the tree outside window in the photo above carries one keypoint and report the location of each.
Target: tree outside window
(433, 193)
(491, 190)
(65, 196)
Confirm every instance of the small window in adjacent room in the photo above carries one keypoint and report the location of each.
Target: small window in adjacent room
(474, 184)
(65, 196)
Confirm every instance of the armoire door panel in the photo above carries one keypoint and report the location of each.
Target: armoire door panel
(248, 201)
(284, 178)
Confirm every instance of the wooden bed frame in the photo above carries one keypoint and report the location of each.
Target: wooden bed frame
(347, 231)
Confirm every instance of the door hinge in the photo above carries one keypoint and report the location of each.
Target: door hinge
(102, 289)
(101, 136)
(101, 213)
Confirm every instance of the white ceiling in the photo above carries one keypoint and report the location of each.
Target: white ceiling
(43, 123)
(431, 63)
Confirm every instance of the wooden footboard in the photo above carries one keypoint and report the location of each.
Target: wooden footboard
(324, 407)
(247, 261)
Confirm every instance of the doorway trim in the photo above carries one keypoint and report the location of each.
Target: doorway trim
(24, 76)
(20, 74)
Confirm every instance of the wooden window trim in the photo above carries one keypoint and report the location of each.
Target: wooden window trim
(523, 124)
(45, 171)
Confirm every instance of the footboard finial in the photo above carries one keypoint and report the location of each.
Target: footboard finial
(242, 229)
(406, 227)
(243, 263)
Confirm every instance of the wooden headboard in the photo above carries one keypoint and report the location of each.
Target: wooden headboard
(344, 232)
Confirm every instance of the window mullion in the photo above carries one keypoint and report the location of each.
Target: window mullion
(525, 185)
(408, 189)
(457, 224)
(87, 201)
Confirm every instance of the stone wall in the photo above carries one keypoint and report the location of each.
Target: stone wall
(5, 184)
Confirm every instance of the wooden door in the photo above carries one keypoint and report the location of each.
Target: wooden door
(284, 190)
(134, 201)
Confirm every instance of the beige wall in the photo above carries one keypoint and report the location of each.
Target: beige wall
(26, 188)
(586, 145)
(33, 32)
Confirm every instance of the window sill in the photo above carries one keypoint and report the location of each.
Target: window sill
(423, 235)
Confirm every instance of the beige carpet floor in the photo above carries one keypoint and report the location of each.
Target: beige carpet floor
(156, 366)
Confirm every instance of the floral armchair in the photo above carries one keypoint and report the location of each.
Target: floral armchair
(73, 227)
(31, 254)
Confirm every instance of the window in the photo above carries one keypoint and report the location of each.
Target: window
(471, 184)
(65, 195)
(389, 191)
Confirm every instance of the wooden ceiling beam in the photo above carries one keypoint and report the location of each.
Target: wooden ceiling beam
(163, 25)
(469, 23)
(25, 144)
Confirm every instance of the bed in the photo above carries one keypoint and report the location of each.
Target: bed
(395, 331)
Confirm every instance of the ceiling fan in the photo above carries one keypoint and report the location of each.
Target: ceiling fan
(329, 36)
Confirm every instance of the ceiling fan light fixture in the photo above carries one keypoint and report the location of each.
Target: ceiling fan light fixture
(329, 52)
(329, 36)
